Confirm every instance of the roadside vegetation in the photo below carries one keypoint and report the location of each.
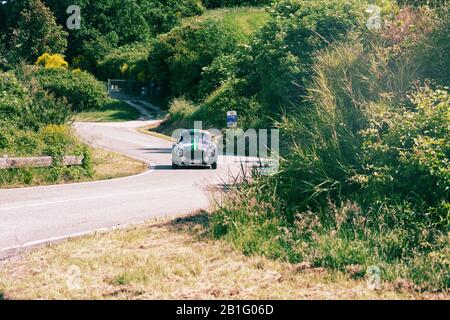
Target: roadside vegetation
(364, 178)
(364, 116)
(174, 260)
(37, 104)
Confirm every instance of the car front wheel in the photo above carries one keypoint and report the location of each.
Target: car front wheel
(214, 166)
(174, 166)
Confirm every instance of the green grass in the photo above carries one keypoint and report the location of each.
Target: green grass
(113, 111)
(245, 20)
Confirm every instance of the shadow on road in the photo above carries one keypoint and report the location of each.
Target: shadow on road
(169, 167)
(157, 150)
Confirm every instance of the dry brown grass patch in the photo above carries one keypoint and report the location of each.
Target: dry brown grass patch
(168, 260)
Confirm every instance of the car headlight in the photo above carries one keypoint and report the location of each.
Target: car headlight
(178, 151)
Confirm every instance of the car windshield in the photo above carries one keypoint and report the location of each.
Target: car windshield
(194, 137)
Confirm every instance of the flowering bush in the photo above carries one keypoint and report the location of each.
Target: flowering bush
(50, 61)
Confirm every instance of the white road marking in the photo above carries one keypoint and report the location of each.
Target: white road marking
(49, 203)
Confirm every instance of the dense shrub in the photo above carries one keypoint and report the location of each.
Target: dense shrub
(407, 150)
(28, 107)
(12, 96)
(127, 62)
(273, 70)
(216, 74)
(177, 58)
(162, 16)
(30, 30)
(110, 24)
(80, 88)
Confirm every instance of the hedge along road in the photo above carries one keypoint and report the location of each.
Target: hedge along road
(31, 216)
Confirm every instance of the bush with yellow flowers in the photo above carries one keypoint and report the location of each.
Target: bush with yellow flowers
(52, 61)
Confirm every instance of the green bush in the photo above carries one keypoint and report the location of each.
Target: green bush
(29, 107)
(127, 62)
(274, 69)
(230, 96)
(216, 74)
(178, 58)
(109, 24)
(44, 109)
(12, 96)
(407, 151)
(81, 89)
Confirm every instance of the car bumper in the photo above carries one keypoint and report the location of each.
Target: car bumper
(198, 160)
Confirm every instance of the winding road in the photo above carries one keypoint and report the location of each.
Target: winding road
(36, 215)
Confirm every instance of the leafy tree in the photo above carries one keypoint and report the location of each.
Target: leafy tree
(277, 64)
(109, 24)
(35, 32)
(162, 16)
(177, 58)
(82, 90)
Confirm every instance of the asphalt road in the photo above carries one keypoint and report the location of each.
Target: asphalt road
(31, 216)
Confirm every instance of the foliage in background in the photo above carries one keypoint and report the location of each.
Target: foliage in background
(127, 62)
(177, 58)
(271, 72)
(108, 25)
(30, 30)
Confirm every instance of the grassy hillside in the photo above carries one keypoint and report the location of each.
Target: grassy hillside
(113, 111)
(245, 20)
